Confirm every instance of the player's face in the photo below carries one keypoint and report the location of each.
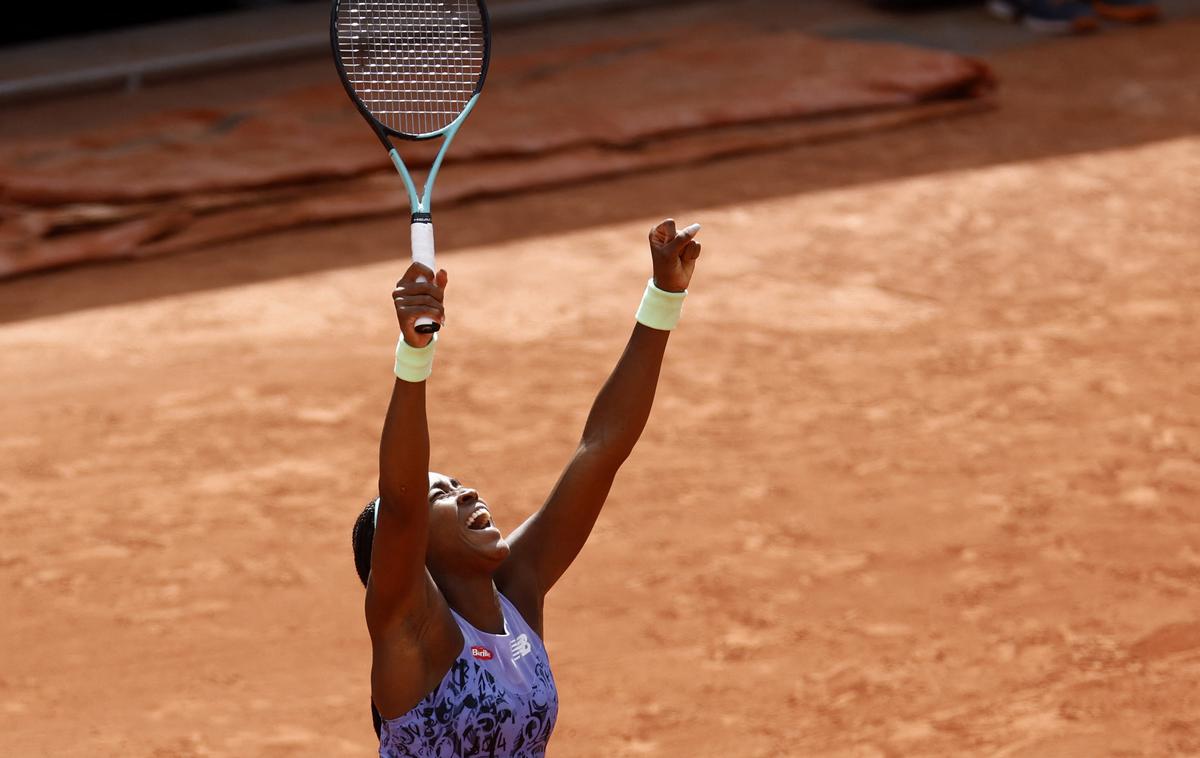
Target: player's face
(462, 533)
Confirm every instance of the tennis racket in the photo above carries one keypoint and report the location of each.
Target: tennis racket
(414, 69)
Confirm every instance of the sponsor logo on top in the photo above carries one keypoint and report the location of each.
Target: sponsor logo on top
(521, 647)
(480, 652)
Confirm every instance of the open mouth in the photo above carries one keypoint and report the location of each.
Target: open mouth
(479, 519)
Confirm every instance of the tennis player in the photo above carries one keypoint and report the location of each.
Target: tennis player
(453, 607)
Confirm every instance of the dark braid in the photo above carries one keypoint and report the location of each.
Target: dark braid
(362, 538)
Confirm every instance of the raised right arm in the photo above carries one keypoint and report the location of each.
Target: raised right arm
(397, 583)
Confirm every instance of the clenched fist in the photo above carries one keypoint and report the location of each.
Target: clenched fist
(416, 299)
(675, 254)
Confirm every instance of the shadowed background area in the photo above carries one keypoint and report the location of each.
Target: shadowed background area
(921, 475)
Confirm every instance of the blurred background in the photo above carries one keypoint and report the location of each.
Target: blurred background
(922, 474)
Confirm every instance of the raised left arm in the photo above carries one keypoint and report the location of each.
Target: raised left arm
(545, 545)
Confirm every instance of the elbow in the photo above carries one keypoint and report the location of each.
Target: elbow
(603, 451)
(394, 490)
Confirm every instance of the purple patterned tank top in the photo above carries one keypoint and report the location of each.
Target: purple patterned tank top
(498, 700)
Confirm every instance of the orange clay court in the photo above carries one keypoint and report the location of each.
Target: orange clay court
(922, 476)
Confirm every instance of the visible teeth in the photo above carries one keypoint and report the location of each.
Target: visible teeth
(477, 517)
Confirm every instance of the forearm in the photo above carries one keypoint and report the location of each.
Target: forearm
(619, 413)
(404, 446)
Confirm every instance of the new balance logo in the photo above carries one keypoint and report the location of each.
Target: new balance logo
(521, 647)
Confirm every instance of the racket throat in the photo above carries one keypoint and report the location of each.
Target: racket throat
(417, 204)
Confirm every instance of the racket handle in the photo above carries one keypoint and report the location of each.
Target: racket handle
(422, 252)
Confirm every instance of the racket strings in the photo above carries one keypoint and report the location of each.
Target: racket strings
(413, 65)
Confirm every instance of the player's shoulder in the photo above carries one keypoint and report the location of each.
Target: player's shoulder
(523, 592)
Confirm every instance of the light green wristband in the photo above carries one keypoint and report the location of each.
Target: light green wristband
(414, 364)
(660, 309)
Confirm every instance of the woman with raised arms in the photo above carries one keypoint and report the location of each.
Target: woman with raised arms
(453, 607)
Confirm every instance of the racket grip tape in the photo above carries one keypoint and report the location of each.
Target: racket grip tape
(422, 252)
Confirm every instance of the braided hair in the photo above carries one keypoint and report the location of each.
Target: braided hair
(362, 538)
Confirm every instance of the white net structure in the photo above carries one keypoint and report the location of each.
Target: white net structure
(414, 65)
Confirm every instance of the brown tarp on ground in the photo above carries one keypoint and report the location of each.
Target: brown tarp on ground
(184, 179)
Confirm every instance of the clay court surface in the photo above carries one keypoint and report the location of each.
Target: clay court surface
(921, 480)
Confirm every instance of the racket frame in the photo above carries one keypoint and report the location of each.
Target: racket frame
(422, 217)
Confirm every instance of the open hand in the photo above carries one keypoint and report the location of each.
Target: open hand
(415, 299)
(675, 254)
